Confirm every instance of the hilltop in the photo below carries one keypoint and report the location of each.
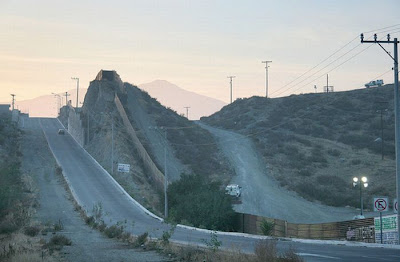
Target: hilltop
(314, 144)
(189, 148)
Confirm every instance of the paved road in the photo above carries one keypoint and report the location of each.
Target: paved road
(54, 207)
(90, 185)
(262, 194)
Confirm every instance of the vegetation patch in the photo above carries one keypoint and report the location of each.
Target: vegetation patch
(201, 202)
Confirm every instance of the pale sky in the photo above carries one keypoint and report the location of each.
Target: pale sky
(193, 44)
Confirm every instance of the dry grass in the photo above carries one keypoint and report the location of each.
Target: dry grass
(18, 247)
(265, 251)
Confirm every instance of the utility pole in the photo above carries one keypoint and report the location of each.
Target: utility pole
(112, 146)
(396, 111)
(77, 90)
(266, 76)
(381, 109)
(327, 84)
(88, 133)
(165, 177)
(13, 101)
(231, 77)
(66, 98)
(187, 111)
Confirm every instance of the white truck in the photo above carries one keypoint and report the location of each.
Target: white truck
(233, 190)
(374, 83)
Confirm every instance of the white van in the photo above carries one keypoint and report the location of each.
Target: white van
(233, 190)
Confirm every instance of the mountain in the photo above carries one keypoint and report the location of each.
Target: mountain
(47, 106)
(177, 99)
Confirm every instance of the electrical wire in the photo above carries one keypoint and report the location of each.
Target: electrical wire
(393, 27)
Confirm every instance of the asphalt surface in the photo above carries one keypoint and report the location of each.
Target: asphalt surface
(55, 207)
(91, 185)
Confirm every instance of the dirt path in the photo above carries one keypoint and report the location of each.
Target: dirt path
(87, 244)
(261, 193)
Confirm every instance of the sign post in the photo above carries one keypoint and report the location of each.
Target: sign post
(124, 168)
(381, 205)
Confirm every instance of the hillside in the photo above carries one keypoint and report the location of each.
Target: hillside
(190, 149)
(315, 143)
(177, 98)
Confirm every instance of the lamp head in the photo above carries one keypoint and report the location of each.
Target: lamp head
(355, 179)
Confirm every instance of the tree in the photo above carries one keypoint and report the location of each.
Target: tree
(201, 203)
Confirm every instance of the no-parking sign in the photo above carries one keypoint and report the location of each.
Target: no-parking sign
(381, 204)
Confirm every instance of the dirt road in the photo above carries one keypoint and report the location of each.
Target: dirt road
(262, 195)
(54, 206)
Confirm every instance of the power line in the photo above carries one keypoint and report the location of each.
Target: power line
(393, 27)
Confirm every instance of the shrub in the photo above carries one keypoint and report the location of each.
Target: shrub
(57, 242)
(31, 231)
(142, 239)
(213, 243)
(114, 231)
(333, 152)
(265, 250)
(267, 227)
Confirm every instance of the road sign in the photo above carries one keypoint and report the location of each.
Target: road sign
(381, 204)
(395, 206)
(124, 168)
(389, 229)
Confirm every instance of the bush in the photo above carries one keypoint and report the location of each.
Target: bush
(265, 250)
(57, 242)
(114, 231)
(201, 203)
(31, 231)
(142, 239)
(267, 227)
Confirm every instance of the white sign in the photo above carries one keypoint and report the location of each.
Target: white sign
(395, 206)
(389, 229)
(381, 204)
(124, 168)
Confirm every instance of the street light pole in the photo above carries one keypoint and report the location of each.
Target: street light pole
(363, 182)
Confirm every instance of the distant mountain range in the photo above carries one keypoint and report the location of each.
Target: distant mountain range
(177, 98)
(48, 105)
(166, 93)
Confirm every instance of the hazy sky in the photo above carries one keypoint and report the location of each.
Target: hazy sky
(193, 44)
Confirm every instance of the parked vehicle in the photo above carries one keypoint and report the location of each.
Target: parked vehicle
(61, 131)
(233, 190)
(374, 83)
